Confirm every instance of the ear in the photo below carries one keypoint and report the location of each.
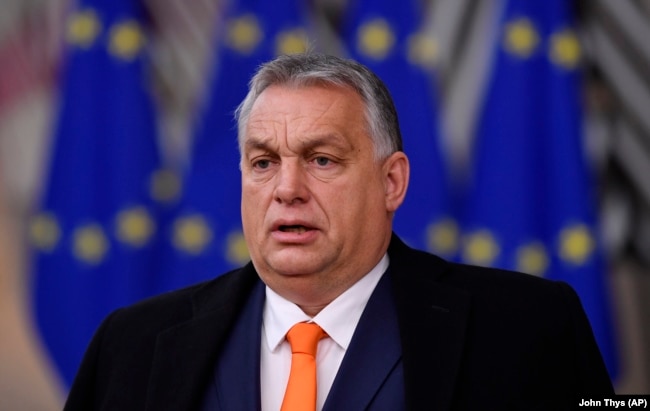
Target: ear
(396, 179)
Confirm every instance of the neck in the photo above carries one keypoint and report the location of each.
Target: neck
(312, 311)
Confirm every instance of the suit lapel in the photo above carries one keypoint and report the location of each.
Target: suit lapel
(433, 319)
(372, 356)
(185, 355)
(237, 375)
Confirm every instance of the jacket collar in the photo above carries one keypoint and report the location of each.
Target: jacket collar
(185, 354)
(433, 321)
(372, 357)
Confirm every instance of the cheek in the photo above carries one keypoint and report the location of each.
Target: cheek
(355, 202)
(252, 204)
(254, 192)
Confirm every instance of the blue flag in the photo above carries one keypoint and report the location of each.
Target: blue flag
(384, 35)
(206, 235)
(531, 202)
(94, 235)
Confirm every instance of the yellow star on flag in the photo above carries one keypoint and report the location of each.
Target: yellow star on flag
(83, 27)
(481, 248)
(520, 37)
(375, 39)
(126, 40)
(90, 244)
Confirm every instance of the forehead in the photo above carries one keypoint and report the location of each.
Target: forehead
(305, 106)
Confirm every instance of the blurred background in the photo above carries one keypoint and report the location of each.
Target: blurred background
(527, 124)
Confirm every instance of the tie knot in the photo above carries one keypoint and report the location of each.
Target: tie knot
(304, 338)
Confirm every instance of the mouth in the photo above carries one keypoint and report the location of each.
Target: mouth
(297, 229)
(294, 232)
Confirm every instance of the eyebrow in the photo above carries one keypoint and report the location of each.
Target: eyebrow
(252, 143)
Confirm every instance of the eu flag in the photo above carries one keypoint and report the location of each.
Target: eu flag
(385, 36)
(206, 235)
(94, 233)
(531, 202)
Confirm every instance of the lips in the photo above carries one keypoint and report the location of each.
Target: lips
(294, 231)
(299, 229)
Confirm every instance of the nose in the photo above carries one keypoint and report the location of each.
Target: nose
(291, 185)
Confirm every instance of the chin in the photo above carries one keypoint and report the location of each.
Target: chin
(294, 263)
(295, 269)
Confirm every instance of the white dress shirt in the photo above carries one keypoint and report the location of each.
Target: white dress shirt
(338, 319)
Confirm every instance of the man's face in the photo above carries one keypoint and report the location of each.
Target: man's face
(316, 204)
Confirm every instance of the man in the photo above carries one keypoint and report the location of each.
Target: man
(323, 173)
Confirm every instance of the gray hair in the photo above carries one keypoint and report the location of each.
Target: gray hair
(318, 69)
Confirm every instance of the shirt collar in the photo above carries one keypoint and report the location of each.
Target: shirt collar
(338, 319)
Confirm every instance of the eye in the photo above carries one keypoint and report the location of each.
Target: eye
(261, 164)
(322, 161)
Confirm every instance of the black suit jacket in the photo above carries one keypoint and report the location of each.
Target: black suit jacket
(472, 339)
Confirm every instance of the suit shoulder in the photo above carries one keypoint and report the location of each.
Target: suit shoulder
(506, 288)
(486, 277)
(174, 306)
(407, 258)
(419, 267)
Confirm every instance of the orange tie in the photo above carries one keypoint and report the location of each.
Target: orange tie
(301, 389)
